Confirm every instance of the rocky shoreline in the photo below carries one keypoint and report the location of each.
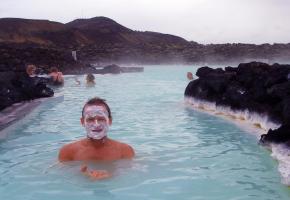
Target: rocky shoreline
(16, 86)
(16, 112)
(251, 87)
(15, 58)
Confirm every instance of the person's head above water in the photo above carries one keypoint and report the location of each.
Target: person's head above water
(189, 76)
(97, 101)
(96, 118)
(90, 78)
(30, 70)
(53, 70)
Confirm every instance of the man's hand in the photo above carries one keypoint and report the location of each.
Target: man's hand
(95, 174)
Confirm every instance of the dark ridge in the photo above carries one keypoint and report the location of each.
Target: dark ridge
(97, 23)
(11, 25)
(103, 40)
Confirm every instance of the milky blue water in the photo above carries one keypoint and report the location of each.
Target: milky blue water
(180, 153)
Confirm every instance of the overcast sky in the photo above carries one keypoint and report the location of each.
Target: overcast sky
(203, 21)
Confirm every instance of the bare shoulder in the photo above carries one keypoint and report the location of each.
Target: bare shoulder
(67, 152)
(126, 150)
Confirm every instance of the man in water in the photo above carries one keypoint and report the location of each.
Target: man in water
(96, 119)
(189, 76)
(56, 77)
(30, 70)
(90, 80)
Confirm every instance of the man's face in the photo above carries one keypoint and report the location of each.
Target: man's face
(96, 121)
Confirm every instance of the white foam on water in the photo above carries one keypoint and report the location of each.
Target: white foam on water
(259, 121)
(252, 122)
(282, 154)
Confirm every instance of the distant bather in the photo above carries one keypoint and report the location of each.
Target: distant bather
(90, 80)
(30, 70)
(189, 76)
(56, 76)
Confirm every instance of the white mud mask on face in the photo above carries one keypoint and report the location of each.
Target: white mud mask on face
(96, 122)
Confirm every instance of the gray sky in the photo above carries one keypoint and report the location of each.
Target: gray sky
(203, 21)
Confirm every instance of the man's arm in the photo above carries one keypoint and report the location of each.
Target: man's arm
(127, 151)
(66, 153)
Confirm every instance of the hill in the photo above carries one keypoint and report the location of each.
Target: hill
(101, 39)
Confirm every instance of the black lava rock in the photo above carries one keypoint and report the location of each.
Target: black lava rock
(280, 135)
(18, 86)
(255, 86)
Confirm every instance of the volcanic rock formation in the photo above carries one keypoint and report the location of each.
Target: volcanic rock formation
(256, 87)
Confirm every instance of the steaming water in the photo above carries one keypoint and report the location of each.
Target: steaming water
(180, 153)
(254, 123)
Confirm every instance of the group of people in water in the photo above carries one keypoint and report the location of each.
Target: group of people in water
(55, 77)
(90, 80)
(96, 118)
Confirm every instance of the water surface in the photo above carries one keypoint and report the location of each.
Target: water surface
(180, 153)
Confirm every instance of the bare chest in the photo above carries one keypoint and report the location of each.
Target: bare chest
(91, 153)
